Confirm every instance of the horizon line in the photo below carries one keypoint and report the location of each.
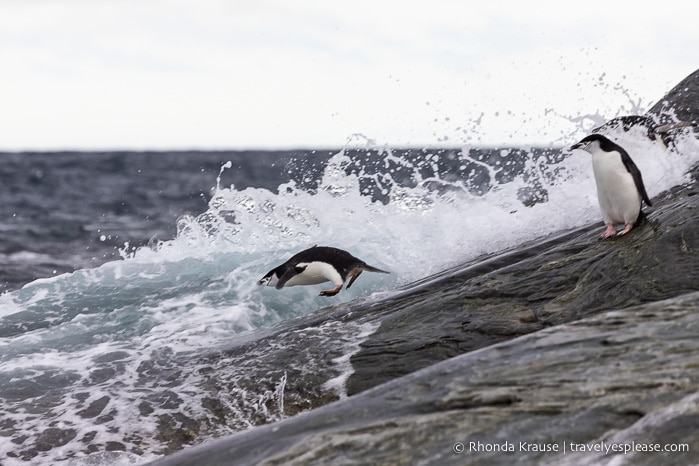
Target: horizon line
(283, 148)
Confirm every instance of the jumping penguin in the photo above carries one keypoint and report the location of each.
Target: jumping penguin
(620, 187)
(317, 265)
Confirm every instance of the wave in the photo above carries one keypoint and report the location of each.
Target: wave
(411, 212)
(121, 331)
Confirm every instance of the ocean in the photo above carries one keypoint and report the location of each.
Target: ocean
(123, 272)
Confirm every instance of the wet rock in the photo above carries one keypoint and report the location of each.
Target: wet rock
(675, 114)
(612, 379)
(176, 430)
(681, 102)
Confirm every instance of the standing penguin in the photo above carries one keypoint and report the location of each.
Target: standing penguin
(317, 265)
(620, 187)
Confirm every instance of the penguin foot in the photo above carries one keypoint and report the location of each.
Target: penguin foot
(353, 276)
(332, 292)
(627, 228)
(609, 232)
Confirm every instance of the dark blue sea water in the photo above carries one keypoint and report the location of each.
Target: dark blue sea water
(120, 271)
(63, 211)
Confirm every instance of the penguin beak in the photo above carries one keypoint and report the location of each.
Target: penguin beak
(266, 279)
(579, 145)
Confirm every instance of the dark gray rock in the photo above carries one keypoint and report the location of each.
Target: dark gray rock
(675, 114)
(618, 377)
(682, 102)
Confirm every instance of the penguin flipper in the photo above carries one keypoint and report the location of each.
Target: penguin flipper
(636, 175)
(290, 273)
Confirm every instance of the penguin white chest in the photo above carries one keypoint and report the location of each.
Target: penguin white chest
(314, 273)
(618, 196)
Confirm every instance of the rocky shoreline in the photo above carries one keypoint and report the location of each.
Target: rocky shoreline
(567, 342)
(619, 377)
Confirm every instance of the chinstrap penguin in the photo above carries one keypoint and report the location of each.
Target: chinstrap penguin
(317, 265)
(620, 187)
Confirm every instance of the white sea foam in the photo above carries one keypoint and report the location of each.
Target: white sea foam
(342, 362)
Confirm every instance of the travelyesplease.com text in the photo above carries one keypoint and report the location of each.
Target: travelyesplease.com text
(606, 448)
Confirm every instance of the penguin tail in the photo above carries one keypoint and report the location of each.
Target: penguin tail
(369, 268)
(355, 272)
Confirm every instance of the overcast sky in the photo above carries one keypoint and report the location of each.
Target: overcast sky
(216, 74)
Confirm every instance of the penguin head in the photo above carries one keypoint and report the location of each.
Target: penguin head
(595, 143)
(270, 279)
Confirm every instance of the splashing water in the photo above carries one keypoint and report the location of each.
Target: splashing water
(122, 330)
